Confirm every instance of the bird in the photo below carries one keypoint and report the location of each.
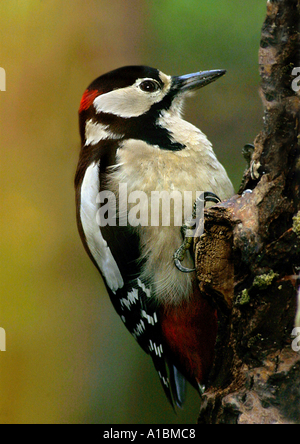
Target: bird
(135, 145)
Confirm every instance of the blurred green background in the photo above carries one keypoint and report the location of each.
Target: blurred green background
(69, 359)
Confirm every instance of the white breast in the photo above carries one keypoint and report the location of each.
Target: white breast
(96, 243)
(148, 168)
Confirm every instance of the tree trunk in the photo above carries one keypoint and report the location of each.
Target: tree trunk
(248, 260)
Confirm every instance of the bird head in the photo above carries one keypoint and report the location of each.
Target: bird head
(128, 102)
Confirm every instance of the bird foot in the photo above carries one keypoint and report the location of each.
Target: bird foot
(247, 152)
(189, 227)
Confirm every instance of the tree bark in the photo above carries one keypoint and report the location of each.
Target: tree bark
(248, 260)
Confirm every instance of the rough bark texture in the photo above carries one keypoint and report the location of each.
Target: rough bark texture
(249, 256)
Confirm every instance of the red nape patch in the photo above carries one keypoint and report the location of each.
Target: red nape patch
(88, 99)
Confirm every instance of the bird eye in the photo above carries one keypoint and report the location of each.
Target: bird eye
(149, 86)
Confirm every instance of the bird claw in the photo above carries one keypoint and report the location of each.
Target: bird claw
(189, 226)
(201, 388)
(179, 256)
(247, 152)
(211, 197)
(182, 268)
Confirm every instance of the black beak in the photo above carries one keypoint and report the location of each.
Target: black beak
(197, 80)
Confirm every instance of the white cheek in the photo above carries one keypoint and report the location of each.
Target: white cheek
(127, 102)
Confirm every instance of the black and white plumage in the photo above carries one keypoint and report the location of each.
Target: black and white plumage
(132, 133)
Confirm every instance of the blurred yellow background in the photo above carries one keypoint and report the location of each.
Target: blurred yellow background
(69, 359)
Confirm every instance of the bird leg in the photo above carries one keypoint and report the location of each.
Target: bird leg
(189, 227)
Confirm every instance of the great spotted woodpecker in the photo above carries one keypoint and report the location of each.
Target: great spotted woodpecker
(132, 133)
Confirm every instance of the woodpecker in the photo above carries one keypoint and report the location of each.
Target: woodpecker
(132, 133)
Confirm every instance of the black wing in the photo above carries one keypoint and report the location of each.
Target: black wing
(134, 302)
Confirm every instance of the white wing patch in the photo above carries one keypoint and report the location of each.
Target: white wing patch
(132, 298)
(158, 349)
(147, 291)
(96, 243)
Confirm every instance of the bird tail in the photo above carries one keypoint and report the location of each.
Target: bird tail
(178, 386)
